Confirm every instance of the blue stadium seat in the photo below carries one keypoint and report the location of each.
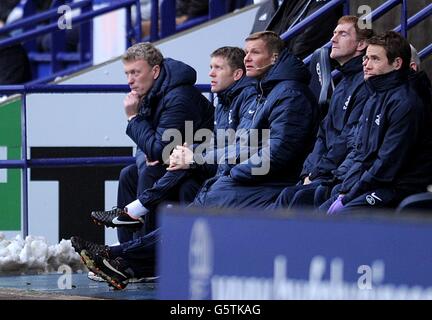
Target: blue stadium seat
(321, 82)
(419, 202)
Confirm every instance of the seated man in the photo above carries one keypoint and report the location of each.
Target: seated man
(163, 97)
(275, 133)
(232, 88)
(419, 79)
(420, 83)
(393, 155)
(332, 144)
(137, 257)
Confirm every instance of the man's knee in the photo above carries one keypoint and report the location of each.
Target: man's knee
(128, 173)
(188, 190)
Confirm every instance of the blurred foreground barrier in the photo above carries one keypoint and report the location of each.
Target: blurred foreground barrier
(248, 255)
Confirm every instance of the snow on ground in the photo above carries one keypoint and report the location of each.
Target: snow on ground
(34, 255)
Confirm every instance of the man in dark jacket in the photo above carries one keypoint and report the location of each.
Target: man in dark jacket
(162, 98)
(275, 133)
(232, 87)
(228, 80)
(393, 152)
(419, 79)
(346, 105)
(284, 15)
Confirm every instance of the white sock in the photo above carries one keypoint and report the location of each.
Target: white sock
(135, 209)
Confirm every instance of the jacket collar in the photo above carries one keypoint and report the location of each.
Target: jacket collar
(353, 66)
(387, 81)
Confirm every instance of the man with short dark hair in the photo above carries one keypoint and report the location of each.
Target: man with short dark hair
(276, 131)
(332, 144)
(393, 150)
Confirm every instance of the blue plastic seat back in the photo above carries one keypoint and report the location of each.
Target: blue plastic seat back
(321, 81)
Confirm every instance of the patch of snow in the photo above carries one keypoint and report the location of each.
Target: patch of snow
(34, 255)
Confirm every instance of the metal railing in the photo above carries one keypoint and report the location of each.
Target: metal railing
(26, 163)
(164, 16)
(405, 23)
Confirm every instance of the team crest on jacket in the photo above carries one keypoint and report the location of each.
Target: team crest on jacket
(263, 17)
(371, 198)
(346, 103)
(377, 120)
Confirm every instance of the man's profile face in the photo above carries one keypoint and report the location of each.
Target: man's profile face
(140, 75)
(344, 43)
(375, 62)
(258, 59)
(221, 74)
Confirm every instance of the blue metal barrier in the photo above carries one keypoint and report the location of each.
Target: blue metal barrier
(84, 55)
(403, 28)
(133, 34)
(65, 162)
(299, 28)
(417, 18)
(425, 52)
(294, 255)
(37, 18)
(26, 163)
(78, 20)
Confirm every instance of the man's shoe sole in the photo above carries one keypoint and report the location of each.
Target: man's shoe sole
(91, 265)
(128, 224)
(103, 223)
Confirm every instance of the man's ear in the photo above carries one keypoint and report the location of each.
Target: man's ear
(397, 63)
(156, 71)
(238, 73)
(361, 45)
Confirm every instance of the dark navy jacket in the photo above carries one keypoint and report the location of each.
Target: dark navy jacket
(285, 106)
(229, 102)
(172, 100)
(394, 144)
(226, 117)
(421, 83)
(346, 105)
